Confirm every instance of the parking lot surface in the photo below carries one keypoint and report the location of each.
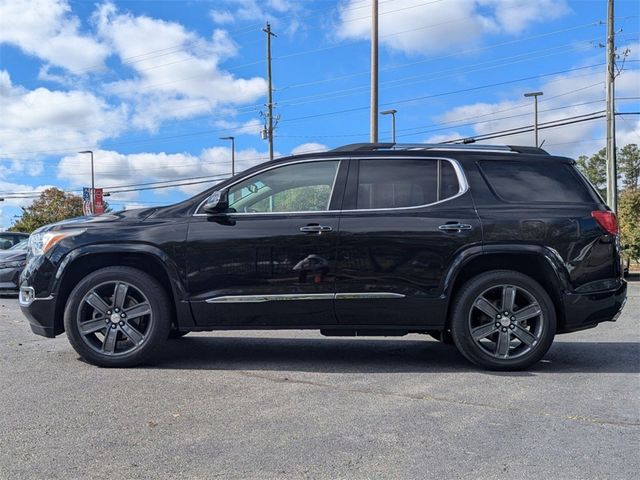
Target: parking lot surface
(297, 405)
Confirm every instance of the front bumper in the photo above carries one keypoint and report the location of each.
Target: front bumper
(586, 310)
(40, 312)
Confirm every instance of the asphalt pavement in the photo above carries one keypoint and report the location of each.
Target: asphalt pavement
(290, 405)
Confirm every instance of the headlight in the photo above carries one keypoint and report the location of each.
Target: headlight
(41, 243)
(16, 264)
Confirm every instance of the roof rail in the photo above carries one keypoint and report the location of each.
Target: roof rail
(374, 147)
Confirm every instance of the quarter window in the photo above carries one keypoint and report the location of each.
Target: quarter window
(301, 187)
(545, 182)
(389, 183)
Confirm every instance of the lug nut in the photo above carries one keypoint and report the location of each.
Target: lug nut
(498, 316)
(113, 325)
(121, 324)
(506, 314)
(513, 319)
(497, 324)
(512, 327)
(122, 315)
(107, 320)
(117, 310)
(504, 329)
(108, 312)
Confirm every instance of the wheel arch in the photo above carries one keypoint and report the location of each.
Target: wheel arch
(146, 258)
(540, 263)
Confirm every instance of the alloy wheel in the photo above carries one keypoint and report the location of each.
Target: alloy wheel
(506, 321)
(114, 318)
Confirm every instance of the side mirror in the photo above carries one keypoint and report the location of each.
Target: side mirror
(218, 202)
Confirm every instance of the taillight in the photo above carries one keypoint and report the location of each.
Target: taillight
(607, 220)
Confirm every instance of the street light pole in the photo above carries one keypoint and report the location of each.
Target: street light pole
(93, 182)
(391, 112)
(373, 135)
(535, 96)
(233, 153)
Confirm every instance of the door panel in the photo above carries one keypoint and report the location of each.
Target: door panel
(262, 270)
(391, 261)
(271, 259)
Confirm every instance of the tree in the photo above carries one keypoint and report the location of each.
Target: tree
(52, 206)
(629, 217)
(629, 161)
(595, 169)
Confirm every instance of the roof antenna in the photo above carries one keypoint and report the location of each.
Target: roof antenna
(542, 143)
(468, 140)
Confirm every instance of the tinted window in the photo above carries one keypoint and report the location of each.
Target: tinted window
(7, 241)
(535, 182)
(397, 183)
(301, 187)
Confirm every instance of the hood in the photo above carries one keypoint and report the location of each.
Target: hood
(136, 215)
(12, 256)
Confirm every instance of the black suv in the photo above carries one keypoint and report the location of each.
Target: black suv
(493, 248)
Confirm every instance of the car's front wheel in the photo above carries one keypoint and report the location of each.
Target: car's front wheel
(117, 317)
(503, 320)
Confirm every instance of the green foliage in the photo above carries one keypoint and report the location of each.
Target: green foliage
(629, 217)
(595, 169)
(52, 206)
(629, 166)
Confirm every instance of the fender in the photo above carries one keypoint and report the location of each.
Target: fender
(551, 257)
(183, 309)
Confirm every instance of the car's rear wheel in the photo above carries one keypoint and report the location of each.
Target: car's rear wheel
(117, 317)
(503, 320)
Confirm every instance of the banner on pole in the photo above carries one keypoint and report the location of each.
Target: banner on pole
(98, 201)
(86, 201)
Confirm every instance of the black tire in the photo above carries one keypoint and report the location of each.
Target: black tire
(525, 334)
(174, 334)
(138, 335)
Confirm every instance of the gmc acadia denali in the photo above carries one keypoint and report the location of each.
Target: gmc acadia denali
(495, 249)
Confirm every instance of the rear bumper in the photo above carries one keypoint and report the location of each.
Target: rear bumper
(586, 310)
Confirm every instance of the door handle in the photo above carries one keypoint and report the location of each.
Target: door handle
(315, 228)
(454, 227)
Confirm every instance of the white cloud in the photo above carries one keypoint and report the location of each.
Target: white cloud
(114, 168)
(41, 120)
(310, 147)
(222, 16)
(438, 26)
(573, 89)
(47, 30)
(183, 78)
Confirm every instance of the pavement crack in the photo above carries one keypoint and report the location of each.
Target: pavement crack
(451, 401)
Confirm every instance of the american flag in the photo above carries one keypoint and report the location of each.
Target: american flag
(86, 201)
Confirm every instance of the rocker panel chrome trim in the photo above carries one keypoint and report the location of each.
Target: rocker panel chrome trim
(300, 297)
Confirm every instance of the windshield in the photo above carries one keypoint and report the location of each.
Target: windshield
(21, 245)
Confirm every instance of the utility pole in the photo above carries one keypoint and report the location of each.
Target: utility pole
(93, 183)
(612, 170)
(535, 96)
(373, 137)
(269, 33)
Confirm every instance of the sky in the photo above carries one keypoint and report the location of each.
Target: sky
(151, 86)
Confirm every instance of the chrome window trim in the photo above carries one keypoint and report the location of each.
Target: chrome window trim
(301, 296)
(308, 160)
(463, 187)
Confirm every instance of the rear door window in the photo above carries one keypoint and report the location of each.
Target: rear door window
(543, 182)
(401, 183)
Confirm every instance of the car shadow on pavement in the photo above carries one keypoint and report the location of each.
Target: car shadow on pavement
(377, 356)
